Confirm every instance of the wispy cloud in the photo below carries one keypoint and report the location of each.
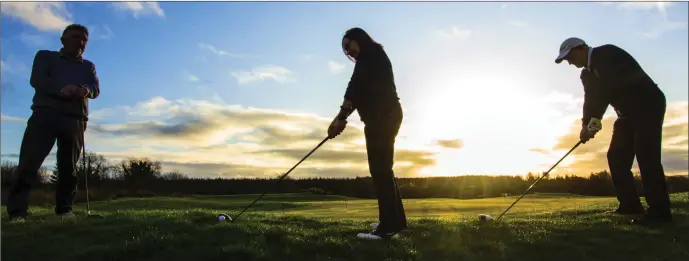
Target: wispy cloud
(105, 34)
(451, 144)
(45, 16)
(13, 66)
(266, 72)
(139, 9)
(335, 67)
(217, 51)
(11, 118)
(454, 32)
(658, 23)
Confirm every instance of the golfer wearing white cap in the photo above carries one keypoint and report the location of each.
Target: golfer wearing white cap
(611, 76)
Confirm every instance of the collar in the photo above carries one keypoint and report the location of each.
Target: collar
(588, 61)
(63, 55)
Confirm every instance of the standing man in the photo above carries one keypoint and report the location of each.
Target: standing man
(373, 94)
(611, 76)
(63, 82)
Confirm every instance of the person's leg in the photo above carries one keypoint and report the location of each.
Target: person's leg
(648, 150)
(69, 144)
(38, 140)
(620, 162)
(380, 146)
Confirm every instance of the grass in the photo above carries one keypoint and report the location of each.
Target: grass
(311, 227)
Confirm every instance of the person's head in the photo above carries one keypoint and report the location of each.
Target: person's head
(353, 40)
(575, 51)
(74, 39)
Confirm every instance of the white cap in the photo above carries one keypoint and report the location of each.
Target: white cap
(566, 46)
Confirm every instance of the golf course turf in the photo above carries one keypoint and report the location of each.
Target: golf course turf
(316, 227)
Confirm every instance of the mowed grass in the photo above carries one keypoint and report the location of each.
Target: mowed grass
(312, 227)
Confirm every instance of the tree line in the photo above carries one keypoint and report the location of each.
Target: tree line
(140, 177)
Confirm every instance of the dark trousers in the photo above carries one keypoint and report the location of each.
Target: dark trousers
(380, 147)
(42, 131)
(640, 136)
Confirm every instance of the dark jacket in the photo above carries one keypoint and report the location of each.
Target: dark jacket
(51, 71)
(371, 88)
(615, 78)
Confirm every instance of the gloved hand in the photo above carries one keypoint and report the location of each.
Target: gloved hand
(589, 131)
(336, 127)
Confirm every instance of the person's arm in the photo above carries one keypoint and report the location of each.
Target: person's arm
(346, 109)
(40, 75)
(356, 82)
(595, 99)
(93, 84)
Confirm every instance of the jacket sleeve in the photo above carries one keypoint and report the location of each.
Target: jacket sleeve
(93, 84)
(595, 99)
(40, 75)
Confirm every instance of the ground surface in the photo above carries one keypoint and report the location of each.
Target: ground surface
(312, 227)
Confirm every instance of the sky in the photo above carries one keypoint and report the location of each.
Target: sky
(241, 89)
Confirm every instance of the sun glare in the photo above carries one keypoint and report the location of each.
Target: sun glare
(498, 120)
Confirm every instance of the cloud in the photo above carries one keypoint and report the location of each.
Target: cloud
(335, 67)
(450, 144)
(592, 156)
(217, 51)
(662, 28)
(105, 34)
(215, 140)
(45, 16)
(519, 23)
(659, 6)
(657, 20)
(266, 72)
(13, 66)
(8, 118)
(454, 33)
(139, 9)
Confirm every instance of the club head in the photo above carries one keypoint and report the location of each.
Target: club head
(485, 218)
(95, 216)
(224, 217)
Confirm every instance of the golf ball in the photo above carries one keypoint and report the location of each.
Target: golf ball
(221, 218)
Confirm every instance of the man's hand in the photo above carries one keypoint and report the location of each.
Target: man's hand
(81, 92)
(69, 91)
(585, 135)
(336, 128)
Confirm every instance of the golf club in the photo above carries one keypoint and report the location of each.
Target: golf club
(282, 177)
(532, 185)
(83, 165)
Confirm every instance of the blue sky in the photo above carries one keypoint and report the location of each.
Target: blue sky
(245, 84)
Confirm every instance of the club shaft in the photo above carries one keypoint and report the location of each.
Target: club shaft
(281, 177)
(539, 179)
(83, 161)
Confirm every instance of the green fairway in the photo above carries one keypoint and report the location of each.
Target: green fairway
(314, 227)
